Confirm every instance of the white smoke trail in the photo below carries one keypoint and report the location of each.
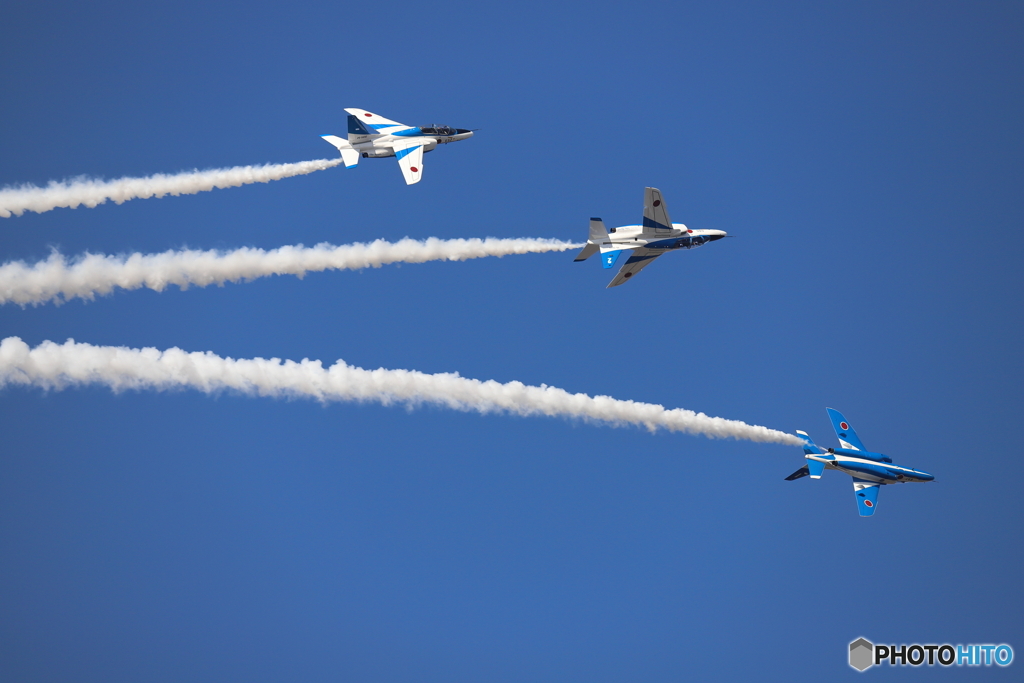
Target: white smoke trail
(55, 366)
(56, 279)
(91, 192)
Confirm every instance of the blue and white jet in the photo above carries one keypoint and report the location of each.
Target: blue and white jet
(869, 470)
(371, 136)
(656, 236)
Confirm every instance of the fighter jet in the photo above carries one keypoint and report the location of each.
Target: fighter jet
(869, 470)
(656, 236)
(373, 136)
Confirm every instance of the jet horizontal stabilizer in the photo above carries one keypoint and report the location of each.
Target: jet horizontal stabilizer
(588, 250)
(598, 235)
(815, 467)
(802, 472)
(348, 155)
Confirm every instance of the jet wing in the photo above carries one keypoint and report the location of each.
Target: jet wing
(867, 496)
(656, 220)
(377, 124)
(410, 159)
(844, 432)
(640, 259)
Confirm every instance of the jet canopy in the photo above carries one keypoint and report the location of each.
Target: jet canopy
(435, 129)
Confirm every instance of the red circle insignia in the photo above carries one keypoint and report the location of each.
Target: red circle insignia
(657, 202)
(843, 425)
(869, 503)
(689, 231)
(366, 113)
(414, 169)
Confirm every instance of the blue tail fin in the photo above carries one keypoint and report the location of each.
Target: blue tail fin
(608, 258)
(812, 468)
(810, 448)
(357, 128)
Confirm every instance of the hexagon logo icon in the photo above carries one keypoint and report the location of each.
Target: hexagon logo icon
(862, 654)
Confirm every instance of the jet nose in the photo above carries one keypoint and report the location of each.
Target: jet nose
(716, 235)
(924, 476)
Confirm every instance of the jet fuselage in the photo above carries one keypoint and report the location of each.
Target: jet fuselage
(681, 237)
(380, 146)
(871, 466)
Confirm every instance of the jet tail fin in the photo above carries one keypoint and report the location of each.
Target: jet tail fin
(598, 234)
(357, 130)
(608, 258)
(812, 468)
(810, 448)
(348, 155)
(815, 468)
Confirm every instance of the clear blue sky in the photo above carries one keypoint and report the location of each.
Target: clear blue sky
(868, 158)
